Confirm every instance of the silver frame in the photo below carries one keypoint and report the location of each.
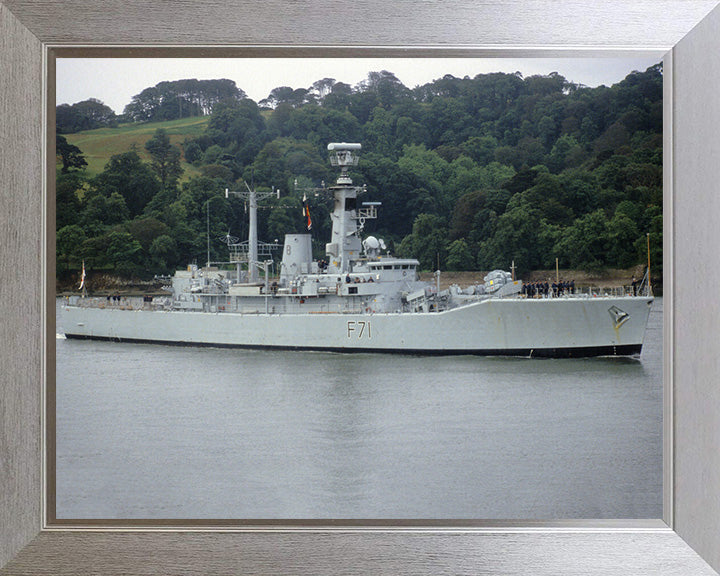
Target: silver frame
(52, 52)
(28, 33)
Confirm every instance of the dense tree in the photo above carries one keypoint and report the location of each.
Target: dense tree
(181, 99)
(68, 244)
(471, 172)
(163, 251)
(70, 155)
(514, 238)
(127, 175)
(322, 88)
(294, 97)
(146, 230)
(427, 242)
(585, 243)
(237, 129)
(68, 188)
(86, 115)
(123, 252)
(386, 87)
(339, 96)
(165, 158)
(101, 212)
(459, 256)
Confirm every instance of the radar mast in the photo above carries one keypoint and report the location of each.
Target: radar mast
(347, 218)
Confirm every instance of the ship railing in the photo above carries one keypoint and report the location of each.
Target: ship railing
(102, 302)
(123, 303)
(610, 291)
(241, 252)
(615, 291)
(594, 292)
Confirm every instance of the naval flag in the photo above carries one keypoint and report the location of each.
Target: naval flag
(82, 277)
(306, 212)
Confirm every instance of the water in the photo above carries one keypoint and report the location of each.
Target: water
(158, 432)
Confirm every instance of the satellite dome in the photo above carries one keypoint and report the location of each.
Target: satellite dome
(371, 243)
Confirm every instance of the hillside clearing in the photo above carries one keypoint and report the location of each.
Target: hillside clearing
(99, 145)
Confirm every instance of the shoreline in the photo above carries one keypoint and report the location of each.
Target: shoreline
(103, 284)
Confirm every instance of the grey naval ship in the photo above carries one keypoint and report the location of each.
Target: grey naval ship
(361, 299)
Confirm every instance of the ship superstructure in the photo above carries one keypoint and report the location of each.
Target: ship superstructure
(360, 298)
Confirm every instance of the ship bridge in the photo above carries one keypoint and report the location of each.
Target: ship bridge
(395, 269)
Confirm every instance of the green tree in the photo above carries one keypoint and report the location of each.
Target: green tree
(123, 253)
(163, 252)
(622, 234)
(165, 158)
(515, 238)
(68, 188)
(379, 132)
(427, 243)
(566, 152)
(146, 230)
(193, 152)
(86, 115)
(101, 212)
(70, 155)
(429, 172)
(480, 148)
(584, 244)
(127, 175)
(459, 256)
(547, 129)
(386, 87)
(182, 98)
(68, 244)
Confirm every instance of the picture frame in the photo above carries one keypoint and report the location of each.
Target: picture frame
(692, 509)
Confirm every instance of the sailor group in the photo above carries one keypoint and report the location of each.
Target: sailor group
(546, 290)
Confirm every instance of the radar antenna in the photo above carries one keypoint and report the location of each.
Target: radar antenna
(228, 239)
(344, 155)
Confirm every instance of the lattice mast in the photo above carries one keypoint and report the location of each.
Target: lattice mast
(251, 196)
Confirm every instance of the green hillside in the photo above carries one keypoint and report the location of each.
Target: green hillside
(100, 144)
(473, 173)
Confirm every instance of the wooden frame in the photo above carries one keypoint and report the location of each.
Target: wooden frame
(692, 497)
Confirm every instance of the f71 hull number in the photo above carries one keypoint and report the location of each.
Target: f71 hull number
(359, 329)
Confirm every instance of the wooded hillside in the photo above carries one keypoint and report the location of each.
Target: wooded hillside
(472, 173)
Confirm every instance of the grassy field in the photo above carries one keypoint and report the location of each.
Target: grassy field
(99, 145)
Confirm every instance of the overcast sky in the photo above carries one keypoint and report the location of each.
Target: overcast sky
(116, 80)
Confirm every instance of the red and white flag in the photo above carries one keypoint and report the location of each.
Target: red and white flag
(306, 212)
(82, 277)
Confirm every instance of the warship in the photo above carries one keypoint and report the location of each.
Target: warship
(360, 298)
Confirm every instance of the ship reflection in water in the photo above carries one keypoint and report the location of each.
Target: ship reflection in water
(148, 431)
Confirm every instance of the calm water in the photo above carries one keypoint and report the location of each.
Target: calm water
(149, 431)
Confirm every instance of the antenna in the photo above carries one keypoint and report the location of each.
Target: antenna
(251, 196)
(344, 155)
(228, 239)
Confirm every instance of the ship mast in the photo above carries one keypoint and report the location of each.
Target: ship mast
(347, 218)
(251, 196)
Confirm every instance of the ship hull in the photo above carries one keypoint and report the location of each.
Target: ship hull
(562, 327)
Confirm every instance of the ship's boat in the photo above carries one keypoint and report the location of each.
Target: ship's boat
(359, 298)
